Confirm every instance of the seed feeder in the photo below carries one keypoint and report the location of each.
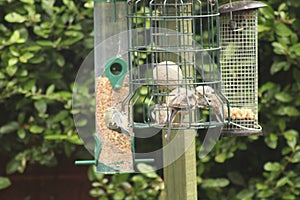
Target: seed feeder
(157, 71)
(239, 65)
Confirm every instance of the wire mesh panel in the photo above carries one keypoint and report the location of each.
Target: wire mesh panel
(239, 67)
(174, 64)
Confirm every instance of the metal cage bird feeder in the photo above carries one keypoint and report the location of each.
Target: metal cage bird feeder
(239, 65)
(174, 52)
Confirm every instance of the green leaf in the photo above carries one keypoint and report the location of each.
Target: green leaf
(286, 150)
(220, 158)
(63, 114)
(70, 41)
(11, 70)
(12, 61)
(9, 127)
(119, 195)
(296, 157)
(267, 86)
(245, 194)
(45, 43)
(263, 28)
(81, 122)
(21, 133)
(289, 196)
(296, 49)
(50, 89)
(283, 181)
(47, 6)
(14, 38)
(282, 124)
(282, 30)
(28, 1)
(279, 48)
(271, 140)
(71, 5)
(13, 166)
(2, 76)
(4, 182)
(268, 12)
(14, 17)
(60, 60)
(272, 166)
(97, 192)
(261, 186)
(265, 193)
(291, 111)
(215, 183)
(147, 170)
(89, 4)
(74, 139)
(25, 57)
(278, 66)
(139, 182)
(56, 137)
(36, 129)
(284, 97)
(120, 178)
(40, 106)
(37, 59)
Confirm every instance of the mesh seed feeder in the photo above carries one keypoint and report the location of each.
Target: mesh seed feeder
(157, 66)
(239, 65)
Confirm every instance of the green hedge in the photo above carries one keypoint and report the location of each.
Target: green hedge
(42, 45)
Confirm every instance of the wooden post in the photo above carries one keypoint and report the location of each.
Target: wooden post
(180, 176)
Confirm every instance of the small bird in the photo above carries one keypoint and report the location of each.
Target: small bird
(167, 74)
(208, 98)
(117, 121)
(179, 100)
(159, 114)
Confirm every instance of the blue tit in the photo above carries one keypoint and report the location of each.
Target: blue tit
(116, 121)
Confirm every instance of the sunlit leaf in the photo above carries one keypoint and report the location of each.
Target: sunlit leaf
(36, 129)
(9, 127)
(40, 106)
(4, 182)
(14, 17)
(272, 166)
(215, 183)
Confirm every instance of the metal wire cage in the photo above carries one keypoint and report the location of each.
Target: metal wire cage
(174, 64)
(239, 65)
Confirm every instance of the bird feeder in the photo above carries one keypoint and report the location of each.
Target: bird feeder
(157, 67)
(239, 65)
(174, 54)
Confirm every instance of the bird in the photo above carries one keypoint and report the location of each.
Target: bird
(159, 114)
(117, 121)
(208, 98)
(179, 100)
(167, 75)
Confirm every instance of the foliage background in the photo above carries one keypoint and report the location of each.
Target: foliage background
(43, 42)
